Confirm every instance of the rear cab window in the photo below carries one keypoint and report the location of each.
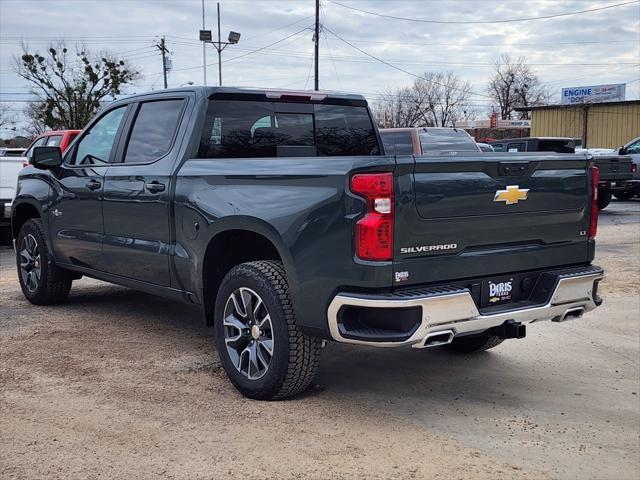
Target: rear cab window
(397, 143)
(248, 128)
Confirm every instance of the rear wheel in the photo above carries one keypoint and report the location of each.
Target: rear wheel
(41, 281)
(262, 350)
(604, 198)
(625, 194)
(475, 343)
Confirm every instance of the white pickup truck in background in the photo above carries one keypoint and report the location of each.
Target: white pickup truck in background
(12, 160)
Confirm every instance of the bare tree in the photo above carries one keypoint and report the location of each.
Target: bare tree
(71, 87)
(35, 113)
(7, 119)
(436, 99)
(514, 85)
(443, 98)
(397, 108)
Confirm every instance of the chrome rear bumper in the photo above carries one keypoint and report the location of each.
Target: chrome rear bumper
(456, 312)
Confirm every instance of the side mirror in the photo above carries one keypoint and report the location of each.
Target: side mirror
(622, 151)
(46, 157)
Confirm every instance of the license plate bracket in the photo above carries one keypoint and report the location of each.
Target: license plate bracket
(499, 290)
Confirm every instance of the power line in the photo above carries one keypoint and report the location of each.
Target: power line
(398, 68)
(519, 44)
(484, 22)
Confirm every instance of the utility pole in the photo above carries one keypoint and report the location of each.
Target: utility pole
(219, 51)
(317, 45)
(204, 50)
(163, 50)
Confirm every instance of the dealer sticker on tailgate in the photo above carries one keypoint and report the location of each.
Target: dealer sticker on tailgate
(497, 291)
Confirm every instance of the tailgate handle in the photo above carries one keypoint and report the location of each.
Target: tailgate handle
(513, 168)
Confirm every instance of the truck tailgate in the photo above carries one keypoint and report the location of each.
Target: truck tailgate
(614, 167)
(478, 215)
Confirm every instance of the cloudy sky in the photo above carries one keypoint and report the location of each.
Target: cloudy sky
(590, 48)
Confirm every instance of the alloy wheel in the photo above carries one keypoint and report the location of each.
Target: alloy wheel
(30, 263)
(248, 334)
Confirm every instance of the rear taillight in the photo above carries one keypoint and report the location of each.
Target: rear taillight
(374, 231)
(634, 168)
(593, 221)
(25, 162)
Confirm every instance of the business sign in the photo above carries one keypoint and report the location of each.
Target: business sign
(593, 94)
(513, 124)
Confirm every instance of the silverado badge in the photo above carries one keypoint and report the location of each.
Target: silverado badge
(511, 195)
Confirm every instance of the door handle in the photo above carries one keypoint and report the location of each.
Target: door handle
(154, 187)
(93, 184)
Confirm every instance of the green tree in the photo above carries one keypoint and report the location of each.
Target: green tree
(71, 87)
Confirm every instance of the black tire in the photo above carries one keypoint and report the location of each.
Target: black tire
(475, 343)
(295, 356)
(625, 195)
(604, 198)
(53, 283)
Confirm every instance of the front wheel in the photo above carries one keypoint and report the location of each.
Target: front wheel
(41, 281)
(262, 350)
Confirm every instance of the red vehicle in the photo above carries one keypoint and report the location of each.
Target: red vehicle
(54, 138)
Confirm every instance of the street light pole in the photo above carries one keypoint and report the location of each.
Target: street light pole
(205, 37)
(219, 51)
(204, 50)
(317, 46)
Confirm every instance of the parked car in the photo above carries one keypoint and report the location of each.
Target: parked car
(427, 141)
(631, 149)
(54, 138)
(11, 162)
(12, 152)
(15, 159)
(615, 171)
(277, 212)
(485, 147)
(535, 144)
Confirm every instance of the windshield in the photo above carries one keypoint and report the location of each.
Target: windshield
(436, 140)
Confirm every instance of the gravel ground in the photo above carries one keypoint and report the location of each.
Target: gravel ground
(119, 384)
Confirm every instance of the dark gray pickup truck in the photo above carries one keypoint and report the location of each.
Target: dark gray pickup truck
(277, 212)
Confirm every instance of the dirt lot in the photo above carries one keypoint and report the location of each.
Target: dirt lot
(119, 384)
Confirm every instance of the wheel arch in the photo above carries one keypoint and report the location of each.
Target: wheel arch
(23, 210)
(238, 243)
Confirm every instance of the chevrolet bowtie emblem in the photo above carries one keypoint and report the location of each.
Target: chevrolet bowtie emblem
(511, 195)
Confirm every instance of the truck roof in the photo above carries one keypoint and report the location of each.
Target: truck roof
(270, 93)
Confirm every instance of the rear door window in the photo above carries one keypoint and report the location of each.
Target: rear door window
(153, 130)
(244, 129)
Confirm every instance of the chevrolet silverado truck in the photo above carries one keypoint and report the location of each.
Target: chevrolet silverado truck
(277, 212)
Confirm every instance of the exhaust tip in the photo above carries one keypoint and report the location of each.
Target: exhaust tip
(435, 339)
(571, 314)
